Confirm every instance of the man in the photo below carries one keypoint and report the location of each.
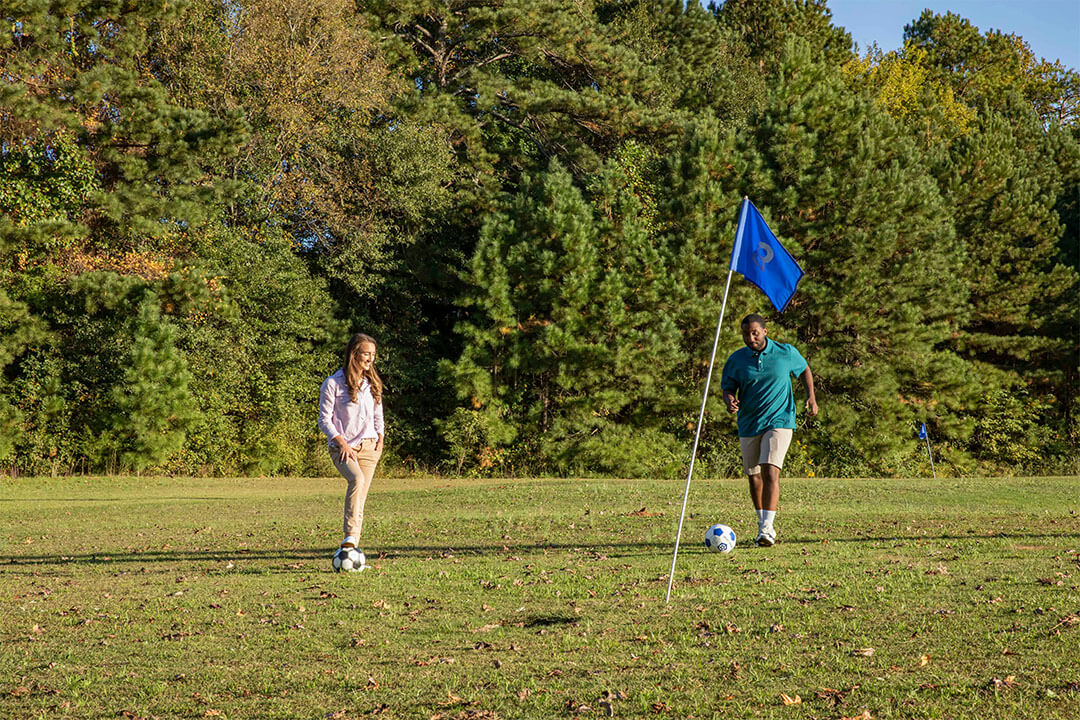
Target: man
(757, 386)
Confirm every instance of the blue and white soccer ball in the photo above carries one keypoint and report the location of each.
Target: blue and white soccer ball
(349, 560)
(720, 538)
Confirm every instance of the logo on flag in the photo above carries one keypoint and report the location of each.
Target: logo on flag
(760, 258)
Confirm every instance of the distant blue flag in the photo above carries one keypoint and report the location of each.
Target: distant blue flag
(922, 432)
(760, 258)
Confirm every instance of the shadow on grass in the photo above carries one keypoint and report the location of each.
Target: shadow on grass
(124, 499)
(294, 554)
(598, 551)
(549, 620)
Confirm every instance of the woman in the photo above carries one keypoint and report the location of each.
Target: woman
(351, 417)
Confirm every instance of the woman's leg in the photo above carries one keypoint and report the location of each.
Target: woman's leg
(355, 494)
(367, 458)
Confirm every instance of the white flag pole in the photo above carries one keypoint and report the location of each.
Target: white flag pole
(932, 470)
(705, 396)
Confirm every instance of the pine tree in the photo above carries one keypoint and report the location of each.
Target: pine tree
(570, 349)
(766, 26)
(513, 85)
(704, 67)
(18, 331)
(993, 67)
(1009, 183)
(73, 71)
(154, 405)
(843, 187)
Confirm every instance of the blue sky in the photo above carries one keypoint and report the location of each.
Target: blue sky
(1050, 27)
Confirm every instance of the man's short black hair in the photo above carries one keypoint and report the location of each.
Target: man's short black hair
(752, 318)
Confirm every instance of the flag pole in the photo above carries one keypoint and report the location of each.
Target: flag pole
(705, 396)
(697, 436)
(932, 470)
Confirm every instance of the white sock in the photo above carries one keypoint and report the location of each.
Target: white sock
(349, 539)
(760, 517)
(767, 517)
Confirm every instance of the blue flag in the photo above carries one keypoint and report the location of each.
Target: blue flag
(760, 258)
(922, 432)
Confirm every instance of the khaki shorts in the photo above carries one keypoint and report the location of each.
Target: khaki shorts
(769, 447)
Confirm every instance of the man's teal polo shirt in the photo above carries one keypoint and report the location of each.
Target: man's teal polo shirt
(762, 383)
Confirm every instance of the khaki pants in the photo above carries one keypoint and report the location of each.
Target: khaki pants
(769, 447)
(358, 474)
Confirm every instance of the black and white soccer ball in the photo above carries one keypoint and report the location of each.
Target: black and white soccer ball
(720, 538)
(349, 560)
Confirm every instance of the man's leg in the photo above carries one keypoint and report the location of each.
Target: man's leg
(770, 497)
(770, 486)
(755, 490)
(751, 450)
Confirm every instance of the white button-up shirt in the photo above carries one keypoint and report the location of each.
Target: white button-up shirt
(339, 415)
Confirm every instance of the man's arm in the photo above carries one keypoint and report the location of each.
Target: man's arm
(731, 401)
(808, 380)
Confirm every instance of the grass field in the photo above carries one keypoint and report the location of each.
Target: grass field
(209, 598)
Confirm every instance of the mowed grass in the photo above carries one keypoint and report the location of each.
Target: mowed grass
(195, 598)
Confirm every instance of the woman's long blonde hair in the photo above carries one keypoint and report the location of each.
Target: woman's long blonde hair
(354, 375)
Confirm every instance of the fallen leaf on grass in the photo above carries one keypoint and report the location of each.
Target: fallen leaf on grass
(836, 696)
(1007, 684)
(864, 716)
(452, 699)
(1068, 621)
(523, 693)
(212, 713)
(863, 652)
(924, 660)
(788, 700)
(20, 691)
(643, 513)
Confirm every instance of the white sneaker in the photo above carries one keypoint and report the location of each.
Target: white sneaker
(766, 537)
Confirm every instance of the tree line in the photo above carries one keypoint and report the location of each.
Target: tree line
(530, 204)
